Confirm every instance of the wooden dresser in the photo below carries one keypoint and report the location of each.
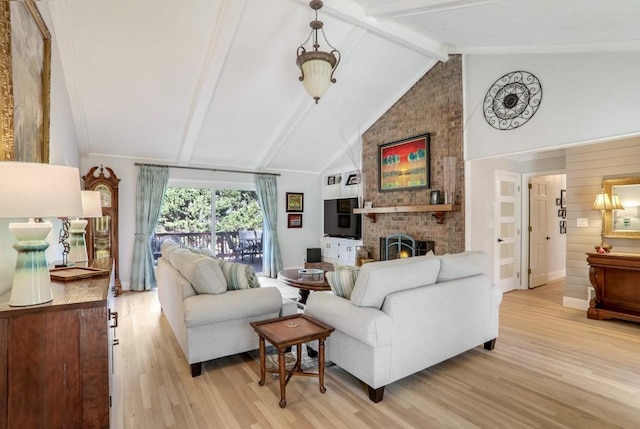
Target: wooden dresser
(56, 358)
(616, 280)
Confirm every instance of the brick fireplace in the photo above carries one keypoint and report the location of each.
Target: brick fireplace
(396, 246)
(433, 105)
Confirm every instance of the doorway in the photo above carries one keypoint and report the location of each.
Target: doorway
(547, 218)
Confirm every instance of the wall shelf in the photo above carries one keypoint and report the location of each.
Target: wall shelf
(437, 210)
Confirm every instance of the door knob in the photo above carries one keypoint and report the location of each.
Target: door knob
(500, 240)
(548, 238)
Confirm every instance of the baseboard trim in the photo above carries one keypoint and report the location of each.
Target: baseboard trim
(580, 304)
(556, 275)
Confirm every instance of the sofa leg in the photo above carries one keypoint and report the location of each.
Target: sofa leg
(376, 394)
(196, 369)
(489, 345)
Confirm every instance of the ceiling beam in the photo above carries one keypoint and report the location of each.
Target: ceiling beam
(410, 39)
(398, 9)
(223, 34)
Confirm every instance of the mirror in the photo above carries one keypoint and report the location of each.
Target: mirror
(623, 223)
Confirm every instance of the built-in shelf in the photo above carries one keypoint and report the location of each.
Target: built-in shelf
(437, 210)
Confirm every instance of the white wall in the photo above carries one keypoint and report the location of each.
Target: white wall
(585, 97)
(63, 151)
(293, 241)
(480, 183)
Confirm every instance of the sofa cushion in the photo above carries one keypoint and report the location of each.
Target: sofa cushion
(378, 279)
(461, 265)
(238, 276)
(342, 279)
(237, 304)
(202, 272)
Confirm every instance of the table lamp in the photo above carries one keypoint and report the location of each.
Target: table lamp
(602, 203)
(32, 190)
(91, 207)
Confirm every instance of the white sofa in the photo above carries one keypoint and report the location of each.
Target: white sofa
(408, 314)
(214, 324)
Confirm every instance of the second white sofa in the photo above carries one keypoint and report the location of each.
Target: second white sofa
(408, 314)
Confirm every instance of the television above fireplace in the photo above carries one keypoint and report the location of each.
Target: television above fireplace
(339, 220)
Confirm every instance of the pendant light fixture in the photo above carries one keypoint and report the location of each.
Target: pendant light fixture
(317, 67)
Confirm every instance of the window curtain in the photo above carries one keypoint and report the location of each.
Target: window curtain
(151, 187)
(267, 190)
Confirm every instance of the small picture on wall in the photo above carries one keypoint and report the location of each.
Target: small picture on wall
(295, 202)
(563, 227)
(563, 198)
(562, 213)
(331, 180)
(294, 220)
(353, 179)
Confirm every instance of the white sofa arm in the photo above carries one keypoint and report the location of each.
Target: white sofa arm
(368, 325)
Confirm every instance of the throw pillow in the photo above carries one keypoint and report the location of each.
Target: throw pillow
(202, 251)
(238, 276)
(202, 272)
(342, 280)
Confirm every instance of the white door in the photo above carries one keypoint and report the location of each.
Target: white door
(538, 231)
(506, 269)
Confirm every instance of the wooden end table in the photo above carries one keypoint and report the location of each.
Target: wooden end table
(284, 332)
(291, 277)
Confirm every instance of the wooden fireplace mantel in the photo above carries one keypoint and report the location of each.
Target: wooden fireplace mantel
(616, 280)
(437, 210)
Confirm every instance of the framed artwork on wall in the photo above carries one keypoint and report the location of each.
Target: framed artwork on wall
(294, 220)
(404, 164)
(295, 202)
(25, 81)
(563, 198)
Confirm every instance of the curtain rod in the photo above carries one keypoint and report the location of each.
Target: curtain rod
(204, 169)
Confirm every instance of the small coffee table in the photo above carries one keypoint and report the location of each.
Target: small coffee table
(284, 332)
(291, 277)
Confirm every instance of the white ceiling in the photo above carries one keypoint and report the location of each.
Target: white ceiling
(214, 82)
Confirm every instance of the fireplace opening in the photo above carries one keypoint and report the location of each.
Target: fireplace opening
(403, 246)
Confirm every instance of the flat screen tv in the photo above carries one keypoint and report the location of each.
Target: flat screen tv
(339, 220)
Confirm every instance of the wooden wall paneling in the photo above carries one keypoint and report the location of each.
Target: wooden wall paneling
(586, 167)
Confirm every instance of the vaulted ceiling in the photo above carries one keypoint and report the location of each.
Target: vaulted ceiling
(214, 82)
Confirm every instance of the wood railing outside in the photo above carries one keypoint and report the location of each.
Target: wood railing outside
(227, 244)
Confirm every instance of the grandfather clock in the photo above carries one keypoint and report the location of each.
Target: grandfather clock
(102, 232)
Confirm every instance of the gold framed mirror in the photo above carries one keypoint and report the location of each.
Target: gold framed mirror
(623, 223)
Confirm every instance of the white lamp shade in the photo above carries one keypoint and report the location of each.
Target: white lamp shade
(616, 203)
(30, 189)
(602, 202)
(91, 205)
(317, 77)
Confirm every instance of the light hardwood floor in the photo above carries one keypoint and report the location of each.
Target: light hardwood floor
(551, 368)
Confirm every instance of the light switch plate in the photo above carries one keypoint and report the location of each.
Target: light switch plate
(582, 222)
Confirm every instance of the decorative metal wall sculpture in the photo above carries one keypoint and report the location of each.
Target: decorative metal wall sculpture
(512, 100)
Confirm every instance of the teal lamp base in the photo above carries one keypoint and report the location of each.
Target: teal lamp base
(78, 251)
(31, 280)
